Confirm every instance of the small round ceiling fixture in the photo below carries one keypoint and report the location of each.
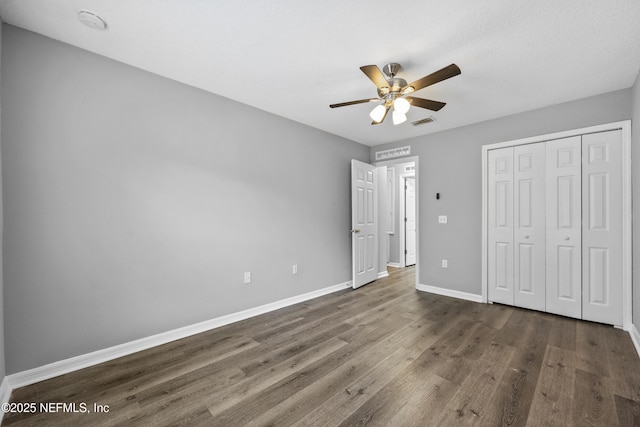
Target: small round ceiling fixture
(92, 20)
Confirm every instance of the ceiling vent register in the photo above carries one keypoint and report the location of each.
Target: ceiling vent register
(424, 121)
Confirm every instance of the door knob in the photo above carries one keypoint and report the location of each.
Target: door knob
(355, 230)
(566, 238)
(526, 237)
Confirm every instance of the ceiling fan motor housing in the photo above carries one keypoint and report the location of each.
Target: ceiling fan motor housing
(391, 69)
(395, 84)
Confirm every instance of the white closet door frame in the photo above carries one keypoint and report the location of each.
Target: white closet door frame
(625, 127)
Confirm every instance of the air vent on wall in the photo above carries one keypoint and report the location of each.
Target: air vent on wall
(394, 152)
(424, 121)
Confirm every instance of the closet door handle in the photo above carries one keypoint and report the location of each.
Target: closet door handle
(566, 238)
(526, 237)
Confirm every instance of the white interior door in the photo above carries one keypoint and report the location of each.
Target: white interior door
(410, 220)
(500, 226)
(564, 230)
(529, 225)
(602, 227)
(364, 224)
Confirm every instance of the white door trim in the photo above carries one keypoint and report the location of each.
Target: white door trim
(625, 127)
(416, 174)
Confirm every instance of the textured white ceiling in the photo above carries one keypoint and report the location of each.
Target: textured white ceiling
(295, 57)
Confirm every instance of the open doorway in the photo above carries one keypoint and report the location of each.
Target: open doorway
(400, 239)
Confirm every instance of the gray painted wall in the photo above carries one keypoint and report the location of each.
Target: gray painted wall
(635, 176)
(2, 364)
(133, 204)
(450, 164)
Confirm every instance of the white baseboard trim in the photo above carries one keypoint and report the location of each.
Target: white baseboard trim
(32, 376)
(449, 293)
(635, 337)
(394, 264)
(5, 394)
(383, 274)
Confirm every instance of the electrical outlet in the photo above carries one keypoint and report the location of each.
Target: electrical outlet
(442, 219)
(295, 269)
(444, 263)
(247, 277)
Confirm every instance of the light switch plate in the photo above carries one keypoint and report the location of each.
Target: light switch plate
(442, 219)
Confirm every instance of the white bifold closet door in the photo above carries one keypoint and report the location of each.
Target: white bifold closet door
(602, 227)
(500, 230)
(517, 232)
(555, 226)
(564, 246)
(529, 226)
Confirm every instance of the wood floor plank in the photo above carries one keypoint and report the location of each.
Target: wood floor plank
(623, 364)
(512, 401)
(628, 411)
(513, 329)
(555, 389)
(591, 347)
(473, 397)
(494, 316)
(385, 402)
(336, 397)
(248, 409)
(268, 358)
(405, 300)
(594, 402)
(173, 406)
(563, 333)
(384, 354)
(350, 385)
(422, 404)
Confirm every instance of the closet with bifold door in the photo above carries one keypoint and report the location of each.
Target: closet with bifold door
(554, 237)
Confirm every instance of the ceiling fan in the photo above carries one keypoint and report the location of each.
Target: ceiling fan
(394, 91)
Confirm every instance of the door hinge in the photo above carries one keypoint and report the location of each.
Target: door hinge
(405, 252)
(405, 220)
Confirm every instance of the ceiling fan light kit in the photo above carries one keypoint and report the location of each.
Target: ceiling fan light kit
(393, 91)
(399, 117)
(378, 113)
(401, 105)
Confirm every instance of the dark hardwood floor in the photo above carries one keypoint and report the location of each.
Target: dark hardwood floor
(384, 354)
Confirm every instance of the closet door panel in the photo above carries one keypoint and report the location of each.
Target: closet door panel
(563, 227)
(500, 226)
(602, 227)
(529, 226)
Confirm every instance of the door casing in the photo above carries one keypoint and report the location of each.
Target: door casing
(416, 174)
